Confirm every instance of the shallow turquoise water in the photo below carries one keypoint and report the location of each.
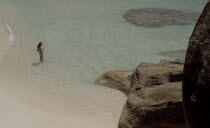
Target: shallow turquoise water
(85, 38)
(91, 37)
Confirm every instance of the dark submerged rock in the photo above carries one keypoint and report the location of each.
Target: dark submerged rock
(155, 17)
(175, 54)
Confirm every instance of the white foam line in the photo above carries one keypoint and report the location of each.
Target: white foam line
(11, 36)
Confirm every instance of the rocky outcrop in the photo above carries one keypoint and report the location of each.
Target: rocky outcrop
(116, 79)
(155, 97)
(154, 94)
(154, 107)
(156, 74)
(196, 83)
(155, 17)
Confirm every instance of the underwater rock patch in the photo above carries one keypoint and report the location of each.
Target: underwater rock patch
(154, 17)
(174, 54)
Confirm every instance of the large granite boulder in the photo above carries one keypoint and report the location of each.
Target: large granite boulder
(196, 83)
(155, 74)
(155, 97)
(116, 79)
(154, 94)
(154, 107)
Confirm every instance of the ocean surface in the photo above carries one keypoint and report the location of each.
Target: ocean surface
(83, 39)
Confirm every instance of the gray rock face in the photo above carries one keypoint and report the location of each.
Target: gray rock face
(157, 107)
(154, 94)
(154, 17)
(155, 74)
(155, 97)
(116, 79)
(196, 83)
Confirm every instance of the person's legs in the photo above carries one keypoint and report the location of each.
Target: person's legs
(41, 58)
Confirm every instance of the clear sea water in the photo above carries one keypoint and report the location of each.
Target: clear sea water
(85, 38)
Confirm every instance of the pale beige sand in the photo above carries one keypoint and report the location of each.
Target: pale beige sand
(27, 104)
(24, 104)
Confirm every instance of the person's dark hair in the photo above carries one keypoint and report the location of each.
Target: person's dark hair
(39, 45)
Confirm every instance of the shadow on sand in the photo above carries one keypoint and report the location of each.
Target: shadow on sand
(36, 63)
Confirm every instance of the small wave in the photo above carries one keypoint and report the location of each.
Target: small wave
(11, 37)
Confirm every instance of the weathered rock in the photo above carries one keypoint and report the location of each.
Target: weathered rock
(155, 17)
(155, 107)
(147, 74)
(155, 74)
(196, 83)
(154, 94)
(155, 97)
(116, 79)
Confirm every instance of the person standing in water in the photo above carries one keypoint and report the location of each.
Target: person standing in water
(40, 50)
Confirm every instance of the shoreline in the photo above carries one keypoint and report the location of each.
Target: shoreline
(26, 103)
(153, 91)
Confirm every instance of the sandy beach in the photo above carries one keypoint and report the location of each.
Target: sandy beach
(25, 103)
(82, 41)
